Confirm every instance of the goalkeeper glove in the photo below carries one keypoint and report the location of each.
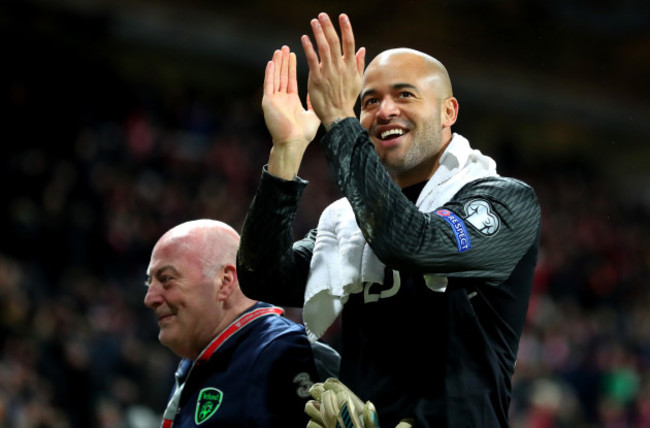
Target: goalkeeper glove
(336, 406)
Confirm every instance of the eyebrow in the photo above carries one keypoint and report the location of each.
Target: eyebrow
(159, 272)
(394, 87)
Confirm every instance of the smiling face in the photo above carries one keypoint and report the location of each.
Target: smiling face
(405, 106)
(183, 293)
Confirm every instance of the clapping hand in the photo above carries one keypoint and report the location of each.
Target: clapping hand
(291, 125)
(334, 80)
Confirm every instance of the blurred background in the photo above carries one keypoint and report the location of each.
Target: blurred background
(124, 118)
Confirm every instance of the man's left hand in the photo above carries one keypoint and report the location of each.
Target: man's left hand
(334, 81)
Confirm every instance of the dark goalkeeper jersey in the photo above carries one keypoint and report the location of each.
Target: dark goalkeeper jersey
(444, 357)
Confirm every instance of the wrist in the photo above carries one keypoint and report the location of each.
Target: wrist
(331, 124)
(331, 121)
(284, 160)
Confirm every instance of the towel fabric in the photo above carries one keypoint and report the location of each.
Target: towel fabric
(342, 261)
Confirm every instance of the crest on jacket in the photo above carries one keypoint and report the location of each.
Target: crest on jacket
(207, 404)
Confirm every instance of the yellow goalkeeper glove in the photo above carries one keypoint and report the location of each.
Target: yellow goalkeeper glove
(336, 406)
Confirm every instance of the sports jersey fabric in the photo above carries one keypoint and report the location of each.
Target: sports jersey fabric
(444, 358)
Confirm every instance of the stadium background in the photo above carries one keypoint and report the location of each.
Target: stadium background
(123, 118)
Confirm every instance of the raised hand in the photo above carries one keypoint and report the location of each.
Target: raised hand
(292, 127)
(335, 80)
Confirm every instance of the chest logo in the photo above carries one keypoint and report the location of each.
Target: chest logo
(480, 215)
(207, 404)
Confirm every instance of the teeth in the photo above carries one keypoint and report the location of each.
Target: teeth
(395, 131)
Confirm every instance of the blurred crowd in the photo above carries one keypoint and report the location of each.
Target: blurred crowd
(90, 183)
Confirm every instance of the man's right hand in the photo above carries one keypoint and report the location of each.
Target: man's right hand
(292, 127)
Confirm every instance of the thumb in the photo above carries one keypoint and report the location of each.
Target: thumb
(369, 416)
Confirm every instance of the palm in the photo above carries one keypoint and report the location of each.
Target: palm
(287, 120)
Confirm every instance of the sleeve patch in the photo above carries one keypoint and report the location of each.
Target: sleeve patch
(480, 215)
(459, 229)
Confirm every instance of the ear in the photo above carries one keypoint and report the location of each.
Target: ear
(228, 282)
(448, 112)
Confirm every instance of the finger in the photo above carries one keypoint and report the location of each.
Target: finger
(309, 106)
(336, 386)
(370, 418)
(317, 390)
(268, 78)
(312, 408)
(329, 408)
(347, 37)
(322, 43)
(293, 75)
(313, 424)
(284, 71)
(330, 34)
(277, 60)
(332, 383)
(361, 60)
(310, 54)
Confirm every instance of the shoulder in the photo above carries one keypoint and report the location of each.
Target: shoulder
(499, 183)
(506, 191)
(284, 357)
(279, 334)
(491, 202)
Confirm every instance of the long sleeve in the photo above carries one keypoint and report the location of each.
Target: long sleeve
(269, 265)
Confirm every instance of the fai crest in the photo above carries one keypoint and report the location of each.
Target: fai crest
(207, 404)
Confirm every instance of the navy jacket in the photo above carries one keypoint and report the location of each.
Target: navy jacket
(255, 374)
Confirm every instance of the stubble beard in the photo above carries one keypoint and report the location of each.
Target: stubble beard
(424, 148)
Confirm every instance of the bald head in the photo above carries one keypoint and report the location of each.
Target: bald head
(406, 58)
(211, 242)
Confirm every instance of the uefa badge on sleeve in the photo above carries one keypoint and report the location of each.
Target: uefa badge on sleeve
(482, 217)
(207, 404)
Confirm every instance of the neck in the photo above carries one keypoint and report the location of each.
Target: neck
(231, 310)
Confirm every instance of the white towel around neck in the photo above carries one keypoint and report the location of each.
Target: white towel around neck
(343, 261)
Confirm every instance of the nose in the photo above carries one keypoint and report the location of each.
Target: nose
(153, 297)
(387, 108)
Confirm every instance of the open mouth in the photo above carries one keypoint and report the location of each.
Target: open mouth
(391, 134)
